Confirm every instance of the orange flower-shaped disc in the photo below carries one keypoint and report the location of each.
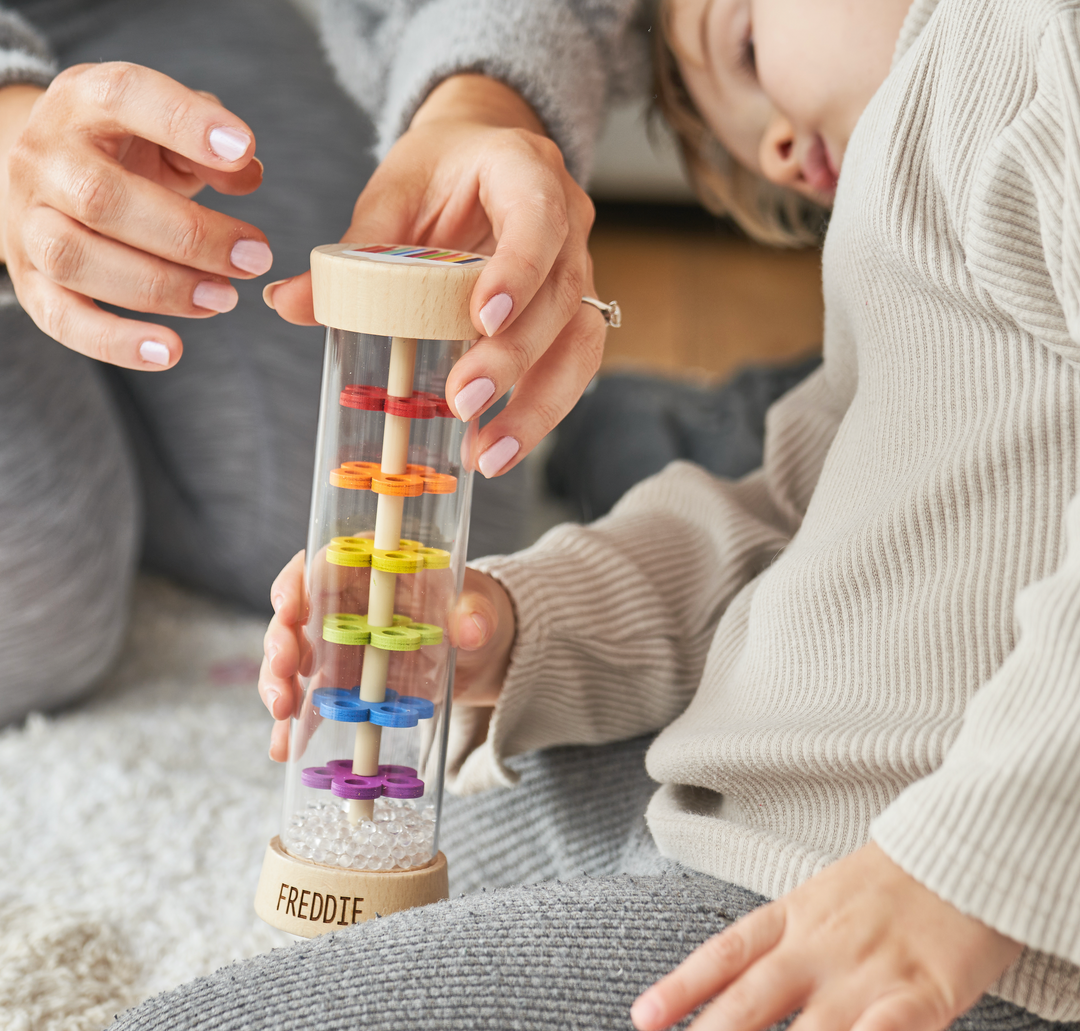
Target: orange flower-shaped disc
(440, 483)
(400, 484)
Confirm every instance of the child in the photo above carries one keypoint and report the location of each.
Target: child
(864, 656)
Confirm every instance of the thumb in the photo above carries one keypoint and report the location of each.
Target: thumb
(473, 621)
(291, 299)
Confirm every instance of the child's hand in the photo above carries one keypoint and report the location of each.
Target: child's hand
(860, 945)
(95, 204)
(476, 171)
(481, 626)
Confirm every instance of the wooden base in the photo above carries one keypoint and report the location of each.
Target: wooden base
(307, 899)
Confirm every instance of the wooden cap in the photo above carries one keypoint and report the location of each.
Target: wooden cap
(304, 898)
(400, 291)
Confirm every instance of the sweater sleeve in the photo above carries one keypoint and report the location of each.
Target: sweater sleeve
(615, 619)
(24, 55)
(995, 830)
(567, 58)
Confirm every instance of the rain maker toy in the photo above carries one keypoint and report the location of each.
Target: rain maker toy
(385, 562)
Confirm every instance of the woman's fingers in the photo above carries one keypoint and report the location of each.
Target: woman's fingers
(543, 395)
(134, 210)
(87, 263)
(114, 99)
(98, 207)
(234, 184)
(75, 321)
(502, 360)
(709, 969)
(528, 303)
(534, 208)
(533, 284)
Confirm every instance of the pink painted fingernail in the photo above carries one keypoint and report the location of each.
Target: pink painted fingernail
(153, 352)
(472, 397)
(215, 296)
(277, 601)
(229, 144)
(493, 314)
(271, 697)
(252, 256)
(493, 460)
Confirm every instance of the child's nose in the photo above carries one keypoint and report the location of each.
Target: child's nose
(776, 153)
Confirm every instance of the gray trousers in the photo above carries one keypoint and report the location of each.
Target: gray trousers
(609, 917)
(202, 472)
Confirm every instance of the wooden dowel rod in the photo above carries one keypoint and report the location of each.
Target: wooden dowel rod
(399, 382)
(388, 516)
(395, 452)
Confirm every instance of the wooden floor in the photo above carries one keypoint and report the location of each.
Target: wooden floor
(699, 301)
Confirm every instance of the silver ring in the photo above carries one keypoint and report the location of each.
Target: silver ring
(611, 311)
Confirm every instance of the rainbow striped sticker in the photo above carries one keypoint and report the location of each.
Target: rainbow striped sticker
(406, 255)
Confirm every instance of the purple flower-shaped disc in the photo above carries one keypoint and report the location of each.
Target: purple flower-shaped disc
(337, 775)
(397, 786)
(317, 777)
(350, 786)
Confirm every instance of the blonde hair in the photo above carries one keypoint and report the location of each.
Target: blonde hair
(767, 212)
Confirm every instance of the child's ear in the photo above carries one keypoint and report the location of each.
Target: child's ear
(680, 22)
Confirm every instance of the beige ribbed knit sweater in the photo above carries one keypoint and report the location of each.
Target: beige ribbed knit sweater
(877, 635)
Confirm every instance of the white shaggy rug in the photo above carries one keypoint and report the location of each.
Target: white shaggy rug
(132, 827)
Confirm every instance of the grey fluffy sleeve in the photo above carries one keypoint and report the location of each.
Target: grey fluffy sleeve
(24, 56)
(568, 58)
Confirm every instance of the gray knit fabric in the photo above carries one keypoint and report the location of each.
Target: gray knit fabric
(24, 57)
(551, 957)
(69, 520)
(568, 58)
(574, 811)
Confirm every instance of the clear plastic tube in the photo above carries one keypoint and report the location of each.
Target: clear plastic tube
(385, 562)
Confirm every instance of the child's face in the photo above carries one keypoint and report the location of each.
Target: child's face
(783, 82)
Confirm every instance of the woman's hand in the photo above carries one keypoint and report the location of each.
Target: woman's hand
(481, 627)
(860, 945)
(95, 191)
(475, 171)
